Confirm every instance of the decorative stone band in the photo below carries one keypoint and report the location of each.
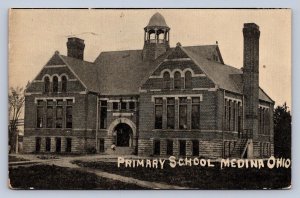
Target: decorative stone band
(189, 96)
(118, 100)
(182, 73)
(54, 99)
(122, 114)
(178, 59)
(55, 66)
(263, 106)
(233, 99)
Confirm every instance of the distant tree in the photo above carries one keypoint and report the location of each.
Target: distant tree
(282, 131)
(16, 101)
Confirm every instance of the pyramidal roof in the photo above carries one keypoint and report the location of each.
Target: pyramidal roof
(157, 20)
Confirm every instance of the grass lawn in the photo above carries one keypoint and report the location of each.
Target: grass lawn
(54, 177)
(203, 177)
(15, 159)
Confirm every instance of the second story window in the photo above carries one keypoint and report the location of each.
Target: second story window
(49, 114)
(131, 105)
(115, 106)
(55, 84)
(40, 114)
(158, 113)
(46, 84)
(63, 84)
(69, 116)
(123, 105)
(170, 113)
(182, 113)
(177, 80)
(195, 113)
(59, 113)
(103, 114)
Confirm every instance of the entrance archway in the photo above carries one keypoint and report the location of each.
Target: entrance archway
(128, 129)
(123, 135)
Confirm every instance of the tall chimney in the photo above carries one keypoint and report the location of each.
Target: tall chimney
(250, 77)
(75, 47)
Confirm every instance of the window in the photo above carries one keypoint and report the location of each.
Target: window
(196, 113)
(55, 84)
(48, 144)
(40, 114)
(131, 105)
(158, 113)
(59, 114)
(182, 113)
(169, 147)
(103, 114)
(69, 114)
(239, 117)
(68, 145)
(177, 80)
(156, 147)
(49, 113)
(170, 113)
(182, 147)
(37, 144)
(229, 115)
(259, 121)
(58, 145)
(101, 145)
(188, 80)
(195, 147)
(46, 84)
(63, 84)
(166, 81)
(234, 115)
(225, 114)
(267, 122)
(115, 106)
(123, 105)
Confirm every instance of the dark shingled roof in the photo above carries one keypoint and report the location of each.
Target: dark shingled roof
(86, 72)
(157, 20)
(123, 72)
(225, 76)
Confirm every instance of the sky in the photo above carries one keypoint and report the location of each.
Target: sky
(35, 35)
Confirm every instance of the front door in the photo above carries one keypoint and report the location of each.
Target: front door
(123, 135)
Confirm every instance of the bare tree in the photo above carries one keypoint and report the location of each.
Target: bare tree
(16, 100)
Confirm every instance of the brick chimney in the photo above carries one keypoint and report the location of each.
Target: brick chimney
(75, 47)
(250, 78)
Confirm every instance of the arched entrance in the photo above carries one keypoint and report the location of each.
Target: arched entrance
(123, 135)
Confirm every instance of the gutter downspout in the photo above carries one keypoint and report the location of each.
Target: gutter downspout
(223, 120)
(97, 124)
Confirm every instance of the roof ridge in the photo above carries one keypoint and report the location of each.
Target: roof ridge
(64, 56)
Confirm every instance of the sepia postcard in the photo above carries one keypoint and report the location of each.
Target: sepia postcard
(149, 99)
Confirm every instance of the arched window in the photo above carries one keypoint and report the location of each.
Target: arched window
(167, 80)
(177, 80)
(55, 84)
(188, 80)
(63, 84)
(46, 84)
